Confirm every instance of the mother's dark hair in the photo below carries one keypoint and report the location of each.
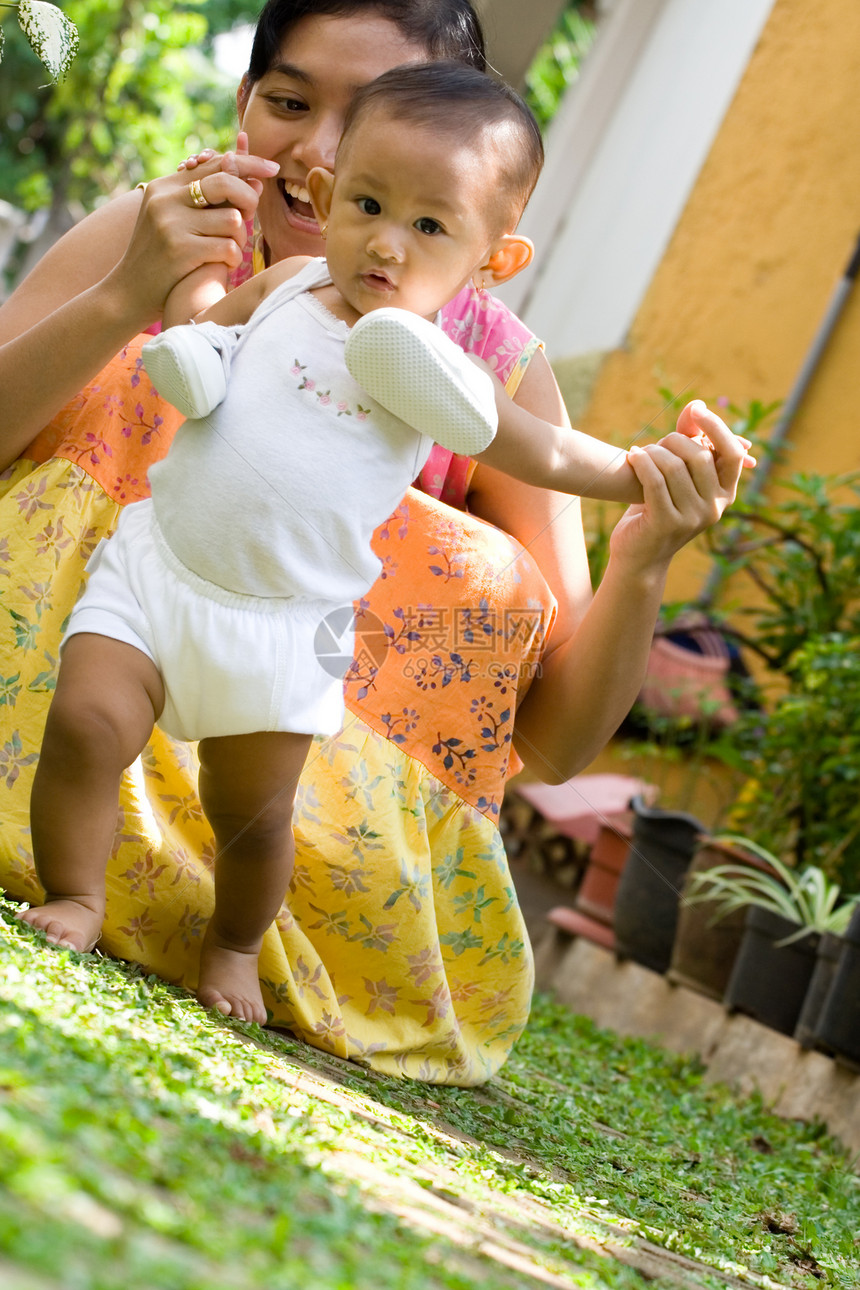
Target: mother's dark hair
(446, 29)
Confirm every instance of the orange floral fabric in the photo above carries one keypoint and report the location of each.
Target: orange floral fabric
(116, 428)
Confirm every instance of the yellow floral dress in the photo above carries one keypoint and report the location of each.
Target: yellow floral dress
(400, 943)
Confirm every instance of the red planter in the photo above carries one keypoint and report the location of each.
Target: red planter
(596, 895)
(592, 913)
(576, 924)
(589, 810)
(591, 916)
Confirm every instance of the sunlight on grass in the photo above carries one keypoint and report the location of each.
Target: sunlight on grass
(145, 1142)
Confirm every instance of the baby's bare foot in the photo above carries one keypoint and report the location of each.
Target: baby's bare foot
(67, 923)
(229, 981)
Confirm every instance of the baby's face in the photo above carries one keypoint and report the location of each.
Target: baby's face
(410, 219)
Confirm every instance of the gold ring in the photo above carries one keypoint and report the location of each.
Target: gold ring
(197, 196)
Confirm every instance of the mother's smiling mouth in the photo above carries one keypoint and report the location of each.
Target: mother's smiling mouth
(297, 199)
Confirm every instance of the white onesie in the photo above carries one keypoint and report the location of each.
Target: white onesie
(278, 491)
(260, 523)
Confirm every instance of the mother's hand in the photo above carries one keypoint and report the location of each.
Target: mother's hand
(172, 236)
(688, 479)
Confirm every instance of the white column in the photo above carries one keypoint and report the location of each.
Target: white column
(622, 157)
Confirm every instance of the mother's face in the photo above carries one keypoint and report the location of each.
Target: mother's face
(294, 115)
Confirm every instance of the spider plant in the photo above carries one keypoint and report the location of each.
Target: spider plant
(806, 897)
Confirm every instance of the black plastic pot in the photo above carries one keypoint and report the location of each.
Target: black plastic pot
(707, 945)
(646, 906)
(823, 976)
(838, 1026)
(769, 980)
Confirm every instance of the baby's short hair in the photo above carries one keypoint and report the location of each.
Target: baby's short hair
(456, 100)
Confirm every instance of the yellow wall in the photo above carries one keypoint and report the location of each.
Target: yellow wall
(762, 243)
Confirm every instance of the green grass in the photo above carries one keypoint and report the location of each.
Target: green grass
(147, 1143)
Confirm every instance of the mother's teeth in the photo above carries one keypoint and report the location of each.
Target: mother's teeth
(300, 194)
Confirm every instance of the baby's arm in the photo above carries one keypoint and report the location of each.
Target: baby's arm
(196, 292)
(420, 375)
(190, 365)
(206, 285)
(236, 306)
(568, 461)
(557, 457)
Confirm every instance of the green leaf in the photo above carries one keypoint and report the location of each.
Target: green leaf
(809, 898)
(53, 38)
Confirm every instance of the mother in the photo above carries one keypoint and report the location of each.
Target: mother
(401, 944)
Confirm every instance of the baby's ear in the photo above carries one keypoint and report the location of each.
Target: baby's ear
(320, 185)
(510, 254)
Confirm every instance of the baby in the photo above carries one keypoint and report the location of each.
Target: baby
(314, 393)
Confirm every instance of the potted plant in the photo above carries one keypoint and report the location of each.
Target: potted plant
(787, 913)
(800, 801)
(800, 554)
(797, 747)
(808, 1031)
(706, 945)
(803, 761)
(679, 759)
(646, 903)
(803, 629)
(800, 753)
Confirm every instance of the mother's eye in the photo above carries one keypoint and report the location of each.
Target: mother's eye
(286, 103)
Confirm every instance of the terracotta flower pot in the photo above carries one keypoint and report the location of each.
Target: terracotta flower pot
(682, 683)
(646, 906)
(591, 916)
(705, 947)
(597, 891)
(769, 980)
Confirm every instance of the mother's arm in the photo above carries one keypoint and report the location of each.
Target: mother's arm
(594, 664)
(102, 283)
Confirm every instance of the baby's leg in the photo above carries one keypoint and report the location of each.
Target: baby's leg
(108, 698)
(417, 372)
(247, 787)
(189, 365)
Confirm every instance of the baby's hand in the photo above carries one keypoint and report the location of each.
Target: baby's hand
(227, 163)
(196, 159)
(688, 479)
(695, 420)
